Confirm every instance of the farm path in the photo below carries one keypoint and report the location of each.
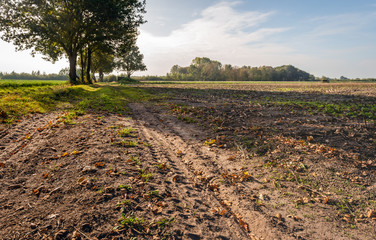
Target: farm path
(196, 164)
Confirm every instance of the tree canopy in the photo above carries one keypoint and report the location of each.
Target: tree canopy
(58, 28)
(130, 60)
(205, 69)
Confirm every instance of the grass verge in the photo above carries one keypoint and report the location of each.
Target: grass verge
(19, 99)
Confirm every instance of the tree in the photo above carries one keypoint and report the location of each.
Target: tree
(130, 60)
(102, 62)
(59, 28)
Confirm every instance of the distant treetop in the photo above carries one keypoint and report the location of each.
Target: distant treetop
(205, 69)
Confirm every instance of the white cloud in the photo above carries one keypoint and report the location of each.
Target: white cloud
(221, 33)
(24, 62)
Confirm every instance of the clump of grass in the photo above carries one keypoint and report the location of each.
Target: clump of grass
(127, 143)
(126, 132)
(146, 177)
(135, 159)
(132, 222)
(127, 187)
(71, 115)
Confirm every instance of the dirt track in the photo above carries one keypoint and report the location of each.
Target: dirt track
(65, 181)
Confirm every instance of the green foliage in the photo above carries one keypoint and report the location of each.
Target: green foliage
(28, 83)
(205, 69)
(126, 132)
(130, 60)
(68, 27)
(21, 98)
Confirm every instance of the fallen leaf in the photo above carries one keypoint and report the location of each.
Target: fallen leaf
(179, 153)
(82, 180)
(157, 210)
(243, 224)
(75, 152)
(99, 164)
(371, 214)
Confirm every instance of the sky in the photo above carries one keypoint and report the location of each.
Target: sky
(325, 38)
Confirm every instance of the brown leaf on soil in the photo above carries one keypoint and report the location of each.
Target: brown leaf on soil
(157, 210)
(2, 165)
(213, 187)
(75, 152)
(223, 212)
(82, 181)
(243, 224)
(371, 214)
(99, 164)
(179, 153)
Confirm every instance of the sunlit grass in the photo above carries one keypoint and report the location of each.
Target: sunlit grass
(18, 100)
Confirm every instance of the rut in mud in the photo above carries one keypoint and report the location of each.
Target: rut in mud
(202, 168)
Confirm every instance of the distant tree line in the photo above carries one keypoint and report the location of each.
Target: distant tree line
(205, 69)
(35, 75)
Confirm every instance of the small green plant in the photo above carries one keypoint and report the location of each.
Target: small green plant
(146, 177)
(128, 143)
(121, 186)
(132, 222)
(162, 166)
(92, 179)
(154, 193)
(210, 142)
(127, 132)
(164, 222)
(125, 202)
(135, 160)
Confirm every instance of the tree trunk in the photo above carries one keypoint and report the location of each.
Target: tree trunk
(101, 75)
(88, 69)
(82, 67)
(72, 69)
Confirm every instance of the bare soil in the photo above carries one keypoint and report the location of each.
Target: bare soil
(199, 165)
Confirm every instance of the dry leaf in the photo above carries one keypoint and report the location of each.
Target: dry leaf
(82, 180)
(371, 214)
(157, 210)
(99, 164)
(179, 153)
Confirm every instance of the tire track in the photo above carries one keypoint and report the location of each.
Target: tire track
(161, 148)
(18, 137)
(205, 168)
